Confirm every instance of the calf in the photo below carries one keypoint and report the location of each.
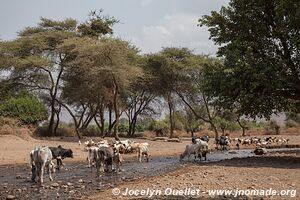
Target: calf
(59, 153)
(40, 158)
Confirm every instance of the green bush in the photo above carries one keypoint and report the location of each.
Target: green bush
(28, 109)
(160, 126)
(139, 128)
(123, 128)
(258, 125)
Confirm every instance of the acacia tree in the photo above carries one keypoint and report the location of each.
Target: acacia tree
(102, 70)
(138, 102)
(260, 46)
(37, 62)
(166, 68)
(192, 93)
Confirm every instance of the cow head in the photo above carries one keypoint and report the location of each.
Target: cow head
(68, 153)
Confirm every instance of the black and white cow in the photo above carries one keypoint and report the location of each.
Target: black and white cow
(59, 153)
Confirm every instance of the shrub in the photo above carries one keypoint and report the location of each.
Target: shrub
(123, 128)
(28, 109)
(161, 127)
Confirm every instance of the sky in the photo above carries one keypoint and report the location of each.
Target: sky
(148, 24)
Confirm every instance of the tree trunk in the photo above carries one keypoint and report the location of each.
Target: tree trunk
(215, 129)
(129, 128)
(110, 125)
(243, 127)
(116, 110)
(102, 121)
(133, 125)
(170, 104)
(52, 115)
(57, 120)
(223, 131)
(74, 119)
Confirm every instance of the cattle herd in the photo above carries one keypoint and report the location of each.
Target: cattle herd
(106, 157)
(103, 156)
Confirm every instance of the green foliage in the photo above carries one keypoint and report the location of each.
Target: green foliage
(168, 68)
(140, 128)
(260, 45)
(224, 124)
(257, 125)
(41, 55)
(97, 25)
(159, 125)
(123, 128)
(28, 109)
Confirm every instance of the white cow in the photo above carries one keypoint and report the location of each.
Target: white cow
(40, 158)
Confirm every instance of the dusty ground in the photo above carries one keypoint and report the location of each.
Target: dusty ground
(276, 171)
(15, 150)
(75, 181)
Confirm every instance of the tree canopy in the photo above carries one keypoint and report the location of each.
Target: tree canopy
(260, 45)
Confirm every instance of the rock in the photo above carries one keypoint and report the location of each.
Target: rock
(80, 181)
(174, 140)
(260, 151)
(10, 197)
(71, 192)
(55, 185)
(69, 184)
(18, 177)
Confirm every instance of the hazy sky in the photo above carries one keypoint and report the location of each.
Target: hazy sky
(149, 24)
